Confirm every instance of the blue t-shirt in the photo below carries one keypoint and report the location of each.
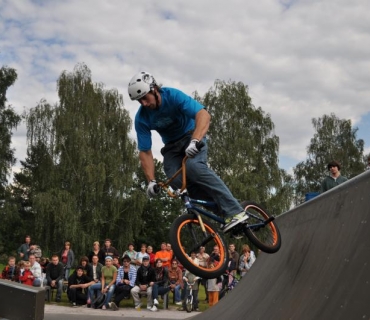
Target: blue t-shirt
(174, 118)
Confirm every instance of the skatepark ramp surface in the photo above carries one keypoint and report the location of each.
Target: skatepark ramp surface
(322, 270)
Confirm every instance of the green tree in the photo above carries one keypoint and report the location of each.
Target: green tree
(83, 164)
(334, 139)
(8, 121)
(243, 148)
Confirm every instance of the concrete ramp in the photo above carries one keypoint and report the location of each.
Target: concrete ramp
(322, 270)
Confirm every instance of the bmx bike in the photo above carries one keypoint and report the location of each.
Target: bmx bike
(189, 294)
(190, 231)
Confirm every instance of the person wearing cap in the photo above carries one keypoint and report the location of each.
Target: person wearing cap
(145, 279)
(77, 284)
(125, 282)
(334, 178)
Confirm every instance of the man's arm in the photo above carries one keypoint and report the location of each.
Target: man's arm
(147, 164)
(202, 121)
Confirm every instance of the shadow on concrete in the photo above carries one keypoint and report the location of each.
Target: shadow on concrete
(322, 270)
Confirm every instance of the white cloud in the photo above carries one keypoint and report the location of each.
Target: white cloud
(300, 59)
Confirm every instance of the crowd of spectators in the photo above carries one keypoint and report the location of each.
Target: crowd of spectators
(100, 281)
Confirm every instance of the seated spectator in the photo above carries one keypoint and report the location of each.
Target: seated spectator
(140, 255)
(151, 254)
(116, 263)
(77, 287)
(11, 271)
(44, 263)
(125, 282)
(160, 284)
(108, 280)
(98, 252)
(20, 266)
(176, 283)
(67, 258)
(54, 276)
(164, 255)
(88, 271)
(96, 268)
(145, 279)
(27, 276)
(246, 260)
(36, 271)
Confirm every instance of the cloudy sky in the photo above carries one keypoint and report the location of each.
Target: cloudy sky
(300, 59)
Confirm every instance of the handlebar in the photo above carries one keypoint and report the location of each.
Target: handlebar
(165, 185)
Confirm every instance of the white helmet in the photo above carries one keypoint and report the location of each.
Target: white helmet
(141, 84)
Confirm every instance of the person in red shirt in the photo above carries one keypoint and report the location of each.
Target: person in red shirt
(27, 276)
(151, 254)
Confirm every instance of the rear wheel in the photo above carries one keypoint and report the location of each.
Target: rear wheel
(261, 228)
(186, 235)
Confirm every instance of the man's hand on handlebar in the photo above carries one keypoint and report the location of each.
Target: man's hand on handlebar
(193, 148)
(153, 189)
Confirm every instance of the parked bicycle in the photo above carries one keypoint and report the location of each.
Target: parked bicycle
(190, 231)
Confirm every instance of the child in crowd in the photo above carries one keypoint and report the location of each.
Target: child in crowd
(11, 271)
(27, 276)
(212, 285)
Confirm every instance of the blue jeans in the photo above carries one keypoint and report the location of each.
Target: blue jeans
(159, 291)
(96, 287)
(178, 293)
(109, 294)
(202, 182)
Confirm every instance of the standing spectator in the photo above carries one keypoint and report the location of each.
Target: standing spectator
(140, 255)
(131, 253)
(27, 276)
(190, 278)
(35, 250)
(77, 283)
(169, 249)
(247, 259)
(176, 283)
(98, 252)
(151, 254)
(108, 280)
(334, 178)
(145, 279)
(36, 270)
(212, 285)
(54, 276)
(96, 268)
(164, 255)
(160, 284)
(235, 259)
(24, 249)
(108, 250)
(215, 255)
(203, 257)
(11, 271)
(67, 258)
(125, 282)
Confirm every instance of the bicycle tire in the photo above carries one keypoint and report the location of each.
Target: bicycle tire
(186, 233)
(267, 238)
(189, 304)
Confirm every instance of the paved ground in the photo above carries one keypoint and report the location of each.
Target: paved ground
(56, 312)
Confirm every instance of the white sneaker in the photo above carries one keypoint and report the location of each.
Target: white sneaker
(178, 303)
(149, 307)
(113, 306)
(154, 308)
(231, 222)
(138, 306)
(155, 302)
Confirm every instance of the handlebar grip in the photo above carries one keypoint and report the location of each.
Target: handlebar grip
(199, 145)
(157, 188)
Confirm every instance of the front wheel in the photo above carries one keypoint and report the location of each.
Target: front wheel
(186, 236)
(261, 228)
(189, 303)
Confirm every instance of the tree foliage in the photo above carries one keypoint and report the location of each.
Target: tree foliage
(334, 139)
(8, 121)
(81, 167)
(243, 148)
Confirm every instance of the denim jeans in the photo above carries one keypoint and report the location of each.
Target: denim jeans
(109, 294)
(59, 286)
(202, 182)
(159, 291)
(96, 287)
